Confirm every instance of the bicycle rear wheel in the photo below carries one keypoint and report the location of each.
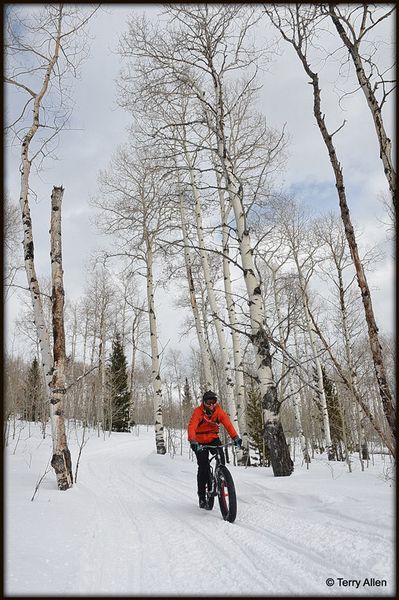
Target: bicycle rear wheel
(226, 494)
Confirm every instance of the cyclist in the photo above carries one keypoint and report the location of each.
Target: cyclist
(203, 428)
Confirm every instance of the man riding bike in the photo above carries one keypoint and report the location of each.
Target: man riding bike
(203, 428)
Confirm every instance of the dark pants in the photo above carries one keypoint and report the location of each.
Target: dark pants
(203, 467)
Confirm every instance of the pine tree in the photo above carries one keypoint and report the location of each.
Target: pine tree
(118, 420)
(256, 425)
(335, 416)
(33, 393)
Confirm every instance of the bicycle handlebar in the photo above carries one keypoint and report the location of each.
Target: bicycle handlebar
(215, 447)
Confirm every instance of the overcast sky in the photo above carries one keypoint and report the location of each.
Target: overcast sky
(98, 126)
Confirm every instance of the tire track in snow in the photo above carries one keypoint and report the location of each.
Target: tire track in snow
(189, 527)
(143, 484)
(106, 556)
(165, 533)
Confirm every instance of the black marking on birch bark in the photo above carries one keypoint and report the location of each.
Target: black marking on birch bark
(57, 462)
(29, 254)
(59, 390)
(270, 400)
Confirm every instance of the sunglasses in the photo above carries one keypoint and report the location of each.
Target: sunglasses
(211, 401)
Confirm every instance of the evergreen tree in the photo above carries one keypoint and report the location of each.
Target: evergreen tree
(256, 426)
(33, 393)
(335, 415)
(118, 414)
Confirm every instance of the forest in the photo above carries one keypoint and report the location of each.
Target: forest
(272, 300)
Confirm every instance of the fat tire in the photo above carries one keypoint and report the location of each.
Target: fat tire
(225, 480)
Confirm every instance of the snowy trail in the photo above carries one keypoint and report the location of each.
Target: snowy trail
(131, 526)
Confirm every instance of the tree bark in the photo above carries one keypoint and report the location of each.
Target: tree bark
(61, 459)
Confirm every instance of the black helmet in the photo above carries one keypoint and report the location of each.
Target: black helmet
(208, 396)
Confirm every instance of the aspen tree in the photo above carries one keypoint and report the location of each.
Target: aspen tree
(61, 459)
(296, 24)
(373, 80)
(134, 206)
(55, 30)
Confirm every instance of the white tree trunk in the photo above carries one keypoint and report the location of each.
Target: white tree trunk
(101, 407)
(33, 284)
(155, 370)
(84, 383)
(135, 331)
(203, 344)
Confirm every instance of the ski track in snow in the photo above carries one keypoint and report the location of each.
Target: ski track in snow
(141, 531)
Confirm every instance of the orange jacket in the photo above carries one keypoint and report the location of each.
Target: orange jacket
(204, 429)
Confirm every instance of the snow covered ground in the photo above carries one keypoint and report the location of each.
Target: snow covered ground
(131, 526)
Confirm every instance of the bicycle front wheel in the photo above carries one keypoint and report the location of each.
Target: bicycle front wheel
(226, 494)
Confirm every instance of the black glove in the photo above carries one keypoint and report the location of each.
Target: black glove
(194, 446)
(237, 441)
